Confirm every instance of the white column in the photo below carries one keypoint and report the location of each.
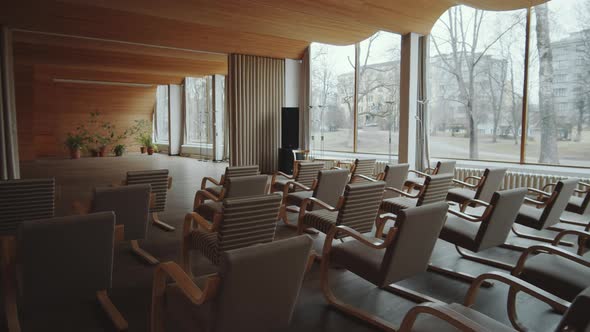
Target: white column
(175, 119)
(218, 115)
(408, 99)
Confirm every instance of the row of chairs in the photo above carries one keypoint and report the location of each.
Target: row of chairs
(355, 209)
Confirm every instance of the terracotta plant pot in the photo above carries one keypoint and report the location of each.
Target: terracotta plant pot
(118, 153)
(75, 153)
(102, 151)
(142, 149)
(94, 152)
(150, 151)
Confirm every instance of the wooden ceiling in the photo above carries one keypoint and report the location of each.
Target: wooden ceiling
(276, 28)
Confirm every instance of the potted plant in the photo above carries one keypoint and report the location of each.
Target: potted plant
(119, 149)
(150, 146)
(141, 130)
(75, 143)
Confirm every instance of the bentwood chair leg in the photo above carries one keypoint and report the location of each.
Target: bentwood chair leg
(486, 261)
(142, 253)
(512, 246)
(112, 311)
(539, 238)
(346, 308)
(290, 225)
(468, 278)
(160, 223)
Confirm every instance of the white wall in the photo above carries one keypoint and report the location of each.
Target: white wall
(292, 77)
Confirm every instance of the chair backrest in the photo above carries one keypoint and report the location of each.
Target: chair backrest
(361, 205)
(131, 205)
(586, 202)
(435, 189)
(25, 200)
(552, 211)
(307, 172)
(158, 179)
(494, 229)
(235, 171)
(364, 167)
(417, 231)
(65, 258)
(493, 178)
(445, 167)
(395, 176)
(576, 317)
(244, 186)
(260, 285)
(331, 185)
(248, 220)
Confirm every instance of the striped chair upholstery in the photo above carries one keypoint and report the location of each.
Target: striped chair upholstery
(25, 200)
(233, 171)
(245, 221)
(364, 167)
(305, 173)
(442, 167)
(358, 211)
(435, 189)
(158, 179)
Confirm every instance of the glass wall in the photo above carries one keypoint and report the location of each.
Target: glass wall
(161, 115)
(476, 84)
(334, 108)
(378, 94)
(199, 117)
(332, 97)
(559, 66)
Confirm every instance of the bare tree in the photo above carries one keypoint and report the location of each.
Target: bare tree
(549, 153)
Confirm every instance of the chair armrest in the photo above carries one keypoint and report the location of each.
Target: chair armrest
(520, 285)
(420, 174)
(364, 177)
(169, 182)
(317, 201)
(443, 312)
(579, 233)
(195, 217)
(534, 201)
(371, 242)
(403, 192)
(171, 270)
(466, 216)
(274, 176)
(210, 179)
(81, 207)
(540, 192)
(548, 249)
(465, 184)
(549, 185)
(202, 195)
(296, 184)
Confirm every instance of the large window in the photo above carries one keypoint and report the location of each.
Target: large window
(476, 84)
(559, 84)
(373, 65)
(378, 94)
(199, 113)
(161, 115)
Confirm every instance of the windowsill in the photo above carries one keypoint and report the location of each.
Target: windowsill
(529, 168)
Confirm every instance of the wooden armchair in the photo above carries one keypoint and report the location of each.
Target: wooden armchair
(242, 222)
(553, 269)
(434, 189)
(576, 212)
(328, 188)
(256, 289)
(482, 190)
(541, 214)
(160, 183)
(357, 208)
(477, 233)
(364, 167)
(442, 317)
(384, 262)
(305, 174)
(62, 260)
(394, 176)
(230, 171)
(442, 167)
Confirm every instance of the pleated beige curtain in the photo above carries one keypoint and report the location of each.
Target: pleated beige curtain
(255, 92)
(304, 88)
(9, 161)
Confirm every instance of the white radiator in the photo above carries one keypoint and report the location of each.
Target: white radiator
(514, 179)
